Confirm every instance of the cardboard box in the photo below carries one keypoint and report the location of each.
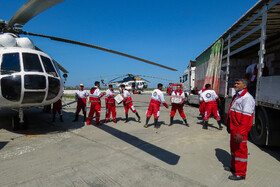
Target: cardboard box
(118, 98)
(176, 100)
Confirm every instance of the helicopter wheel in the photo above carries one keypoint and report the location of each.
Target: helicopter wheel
(20, 121)
(15, 123)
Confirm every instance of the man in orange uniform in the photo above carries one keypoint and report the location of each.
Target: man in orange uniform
(239, 123)
(178, 94)
(95, 107)
(202, 103)
(110, 104)
(210, 98)
(81, 98)
(127, 102)
(154, 106)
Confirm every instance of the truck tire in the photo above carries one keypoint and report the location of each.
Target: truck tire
(258, 132)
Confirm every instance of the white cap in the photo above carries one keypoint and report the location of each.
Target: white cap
(81, 84)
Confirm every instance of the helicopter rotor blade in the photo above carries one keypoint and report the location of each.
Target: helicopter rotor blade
(59, 66)
(31, 9)
(154, 77)
(117, 78)
(146, 80)
(99, 48)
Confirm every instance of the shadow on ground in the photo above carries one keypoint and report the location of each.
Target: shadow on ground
(40, 123)
(155, 151)
(223, 156)
(3, 144)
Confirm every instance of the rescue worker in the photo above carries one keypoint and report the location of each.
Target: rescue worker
(178, 94)
(81, 98)
(239, 122)
(252, 74)
(95, 106)
(202, 103)
(210, 98)
(110, 104)
(57, 107)
(154, 106)
(127, 103)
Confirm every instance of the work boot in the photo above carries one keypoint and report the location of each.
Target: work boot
(147, 121)
(126, 118)
(76, 117)
(85, 117)
(61, 119)
(139, 119)
(53, 118)
(171, 121)
(156, 125)
(205, 125)
(99, 124)
(220, 125)
(236, 177)
(186, 123)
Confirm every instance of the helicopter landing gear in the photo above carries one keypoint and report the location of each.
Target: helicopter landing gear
(20, 121)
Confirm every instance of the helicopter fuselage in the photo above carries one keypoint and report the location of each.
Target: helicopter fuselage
(28, 77)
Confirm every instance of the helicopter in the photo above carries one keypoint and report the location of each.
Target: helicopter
(132, 82)
(28, 76)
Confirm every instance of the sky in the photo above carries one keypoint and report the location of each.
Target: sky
(168, 32)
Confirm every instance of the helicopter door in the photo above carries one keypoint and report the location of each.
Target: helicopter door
(10, 84)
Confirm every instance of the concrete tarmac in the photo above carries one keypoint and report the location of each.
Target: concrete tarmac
(125, 154)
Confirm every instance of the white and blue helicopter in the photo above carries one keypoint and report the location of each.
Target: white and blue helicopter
(28, 76)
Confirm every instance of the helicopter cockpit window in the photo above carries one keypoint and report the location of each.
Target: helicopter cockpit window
(185, 78)
(48, 66)
(56, 67)
(10, 63)
(31, 62)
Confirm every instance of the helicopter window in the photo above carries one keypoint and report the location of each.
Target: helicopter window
(185, 78)
(56, 67)
(48, 66)
(10, 63)
(33, 97)
(54, 87)
(34, 82)
(31, 62)
(11, 87)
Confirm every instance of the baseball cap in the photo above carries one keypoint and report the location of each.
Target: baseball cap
(81, 84)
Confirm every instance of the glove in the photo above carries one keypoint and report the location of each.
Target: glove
(166, 106)
(238, 138)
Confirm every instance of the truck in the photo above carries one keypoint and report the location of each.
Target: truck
(171, 87)
(188, 82)
(253, 39)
